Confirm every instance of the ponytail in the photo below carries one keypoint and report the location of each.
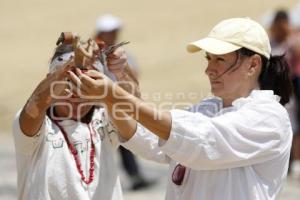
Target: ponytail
(274, 75)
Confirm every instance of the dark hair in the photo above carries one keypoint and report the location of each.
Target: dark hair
(274, 75)
(89, 116)
(281, 15)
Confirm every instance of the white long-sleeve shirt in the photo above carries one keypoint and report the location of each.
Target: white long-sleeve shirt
(236, 153)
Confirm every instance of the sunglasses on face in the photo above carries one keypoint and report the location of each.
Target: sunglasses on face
(178, 174)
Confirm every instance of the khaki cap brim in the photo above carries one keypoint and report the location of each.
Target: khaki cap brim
(213, 46)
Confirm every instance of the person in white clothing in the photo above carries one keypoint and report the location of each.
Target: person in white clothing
(64, 144)
(235, 145)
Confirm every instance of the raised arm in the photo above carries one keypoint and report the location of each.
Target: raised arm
(93, 83)
(118, 65)
(34, 111)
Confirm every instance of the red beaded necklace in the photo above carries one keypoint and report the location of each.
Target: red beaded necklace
(75, 155)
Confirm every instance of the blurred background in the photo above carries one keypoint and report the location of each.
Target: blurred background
(158, 32)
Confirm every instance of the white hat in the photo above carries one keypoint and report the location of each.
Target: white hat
(233, 34)
(107, 23)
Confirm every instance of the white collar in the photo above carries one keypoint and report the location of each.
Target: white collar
(255, 94)
(236, 104)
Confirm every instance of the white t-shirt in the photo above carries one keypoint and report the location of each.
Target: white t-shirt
(236, 153)
(47, 169)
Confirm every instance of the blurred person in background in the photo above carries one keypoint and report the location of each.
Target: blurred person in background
(294, 60)
(293, 57)
(279, 32)
(108, 28)
(285, 42)
(65, 145)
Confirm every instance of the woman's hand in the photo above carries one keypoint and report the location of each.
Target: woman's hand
(91, 84)
(48, 89)
(57, 81)
(117, 64)
(117, 61)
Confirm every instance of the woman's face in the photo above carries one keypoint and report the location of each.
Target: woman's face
(230, 75)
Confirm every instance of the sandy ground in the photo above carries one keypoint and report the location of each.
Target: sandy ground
(158, 31)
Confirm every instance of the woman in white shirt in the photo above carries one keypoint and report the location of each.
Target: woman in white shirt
(65, 145)
(233, 146)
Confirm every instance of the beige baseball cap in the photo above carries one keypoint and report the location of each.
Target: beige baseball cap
(233, 34)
